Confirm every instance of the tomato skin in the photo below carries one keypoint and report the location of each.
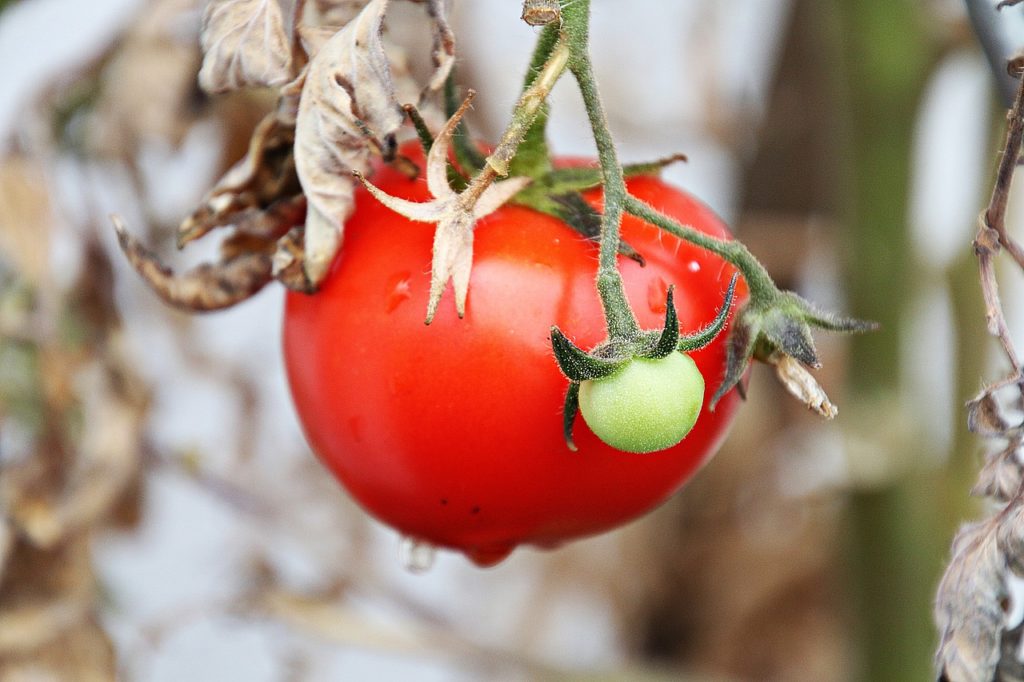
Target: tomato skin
(452, 432)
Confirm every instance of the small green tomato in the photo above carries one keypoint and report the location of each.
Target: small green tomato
(646, 406)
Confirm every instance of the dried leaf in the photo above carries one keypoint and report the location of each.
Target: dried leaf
(204, 288)
(263, 176)
(26, 219)
(347, 104)
(335, 13)
(245, 42)
(1001, 476)
(802, 385)
(288, 260)
(985, 416)
(148, 88)
(967, 605)
(443, 52)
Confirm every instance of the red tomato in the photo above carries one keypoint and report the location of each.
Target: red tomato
(452, 433)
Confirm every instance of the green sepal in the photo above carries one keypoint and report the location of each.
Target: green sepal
(578, 365)
(738, 350)
(669, 339)
(569, 410)
(828, 321)
(699, 339)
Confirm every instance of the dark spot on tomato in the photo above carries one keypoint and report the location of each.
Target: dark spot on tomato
(444, 501)
(475, 510)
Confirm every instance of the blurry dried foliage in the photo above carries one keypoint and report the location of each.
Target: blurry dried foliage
(972, 606)
(245, 43)
(146, 88)
(337, 88)
(71, 429)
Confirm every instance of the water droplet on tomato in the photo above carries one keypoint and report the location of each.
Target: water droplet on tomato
(486, 557)
(657, 292)
(399, 291)
(417, 556)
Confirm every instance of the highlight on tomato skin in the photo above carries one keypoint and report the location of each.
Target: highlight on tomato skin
(452, 433)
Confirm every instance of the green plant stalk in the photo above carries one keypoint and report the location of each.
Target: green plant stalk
(533, 158)
(762, 287)
(621, 321)
(531, 105)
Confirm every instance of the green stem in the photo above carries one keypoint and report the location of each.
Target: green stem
(762, 287)
(619, 316)
(533, 158)
(530, 105)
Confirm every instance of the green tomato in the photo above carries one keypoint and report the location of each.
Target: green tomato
(647, 405)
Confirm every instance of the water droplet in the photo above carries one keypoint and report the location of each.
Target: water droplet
(486, 557)
(693, 266)
(417, 556)
(399, 291)
(657, 293)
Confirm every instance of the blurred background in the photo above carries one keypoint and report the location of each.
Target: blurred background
(162, 519)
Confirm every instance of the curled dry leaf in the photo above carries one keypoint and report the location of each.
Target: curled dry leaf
(802, 385)
(454, 214)
(443, 52)
(967, 605)
(287, 264)
(347, 104)
(333, 13)
(262, 177)
(245, 42)
(1002, 474)
(205, 287)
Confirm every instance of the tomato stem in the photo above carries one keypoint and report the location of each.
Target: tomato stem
(531, 105)
(619, 316)
(762, 287)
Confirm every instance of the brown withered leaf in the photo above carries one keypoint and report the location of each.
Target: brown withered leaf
(802, 385)
(334, 13)
(443, 52)
(1001, 476)
(967, 605)
(204, 288)
(263, 176)
(26, 219)
(288, 260)
(148, 86)
(245, 42)
(260, 230)
(348, 104)
(985, 416)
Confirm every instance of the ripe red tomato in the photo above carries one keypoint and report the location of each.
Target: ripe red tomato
(452, 433)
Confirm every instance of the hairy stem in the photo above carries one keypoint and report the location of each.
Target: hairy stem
(619, 316)
(760, 282)
(529, 107)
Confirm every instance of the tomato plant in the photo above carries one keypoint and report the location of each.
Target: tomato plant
(452, 432)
